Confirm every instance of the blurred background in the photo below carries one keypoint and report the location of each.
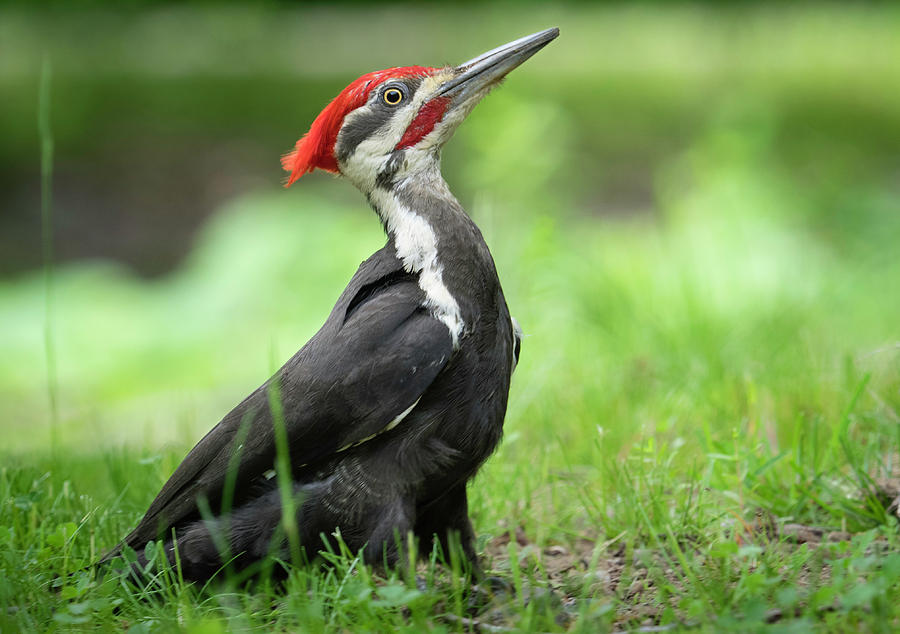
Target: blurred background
(694, 209)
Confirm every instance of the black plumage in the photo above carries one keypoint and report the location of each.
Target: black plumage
(394, 404)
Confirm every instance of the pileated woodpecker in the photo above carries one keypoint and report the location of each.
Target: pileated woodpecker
(400, 397)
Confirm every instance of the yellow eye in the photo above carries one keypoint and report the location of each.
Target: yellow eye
(392, 96)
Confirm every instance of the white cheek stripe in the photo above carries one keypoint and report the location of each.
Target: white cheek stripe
(416, 245)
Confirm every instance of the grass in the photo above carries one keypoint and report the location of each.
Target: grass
(702, 434)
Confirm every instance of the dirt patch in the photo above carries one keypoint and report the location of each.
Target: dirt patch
(644, 581)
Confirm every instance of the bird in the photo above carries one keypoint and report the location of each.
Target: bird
(390, 409)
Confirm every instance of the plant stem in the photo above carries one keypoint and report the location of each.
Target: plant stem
(46, 136)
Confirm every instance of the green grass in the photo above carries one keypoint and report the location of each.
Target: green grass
(687, 388)
(702, 433)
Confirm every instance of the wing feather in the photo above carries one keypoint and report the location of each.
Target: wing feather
(364, 369)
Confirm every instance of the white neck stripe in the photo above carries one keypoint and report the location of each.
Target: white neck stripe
(416, 244)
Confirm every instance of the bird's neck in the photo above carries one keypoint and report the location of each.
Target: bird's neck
(421, 218)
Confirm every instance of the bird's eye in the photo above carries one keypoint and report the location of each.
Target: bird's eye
(392, 96)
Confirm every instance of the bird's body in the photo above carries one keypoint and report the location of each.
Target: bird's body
(399, 398)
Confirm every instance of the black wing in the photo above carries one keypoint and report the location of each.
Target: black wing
(371, 362)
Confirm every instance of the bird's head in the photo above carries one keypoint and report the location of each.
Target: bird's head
(393, 122)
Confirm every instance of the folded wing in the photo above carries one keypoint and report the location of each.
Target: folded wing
(366, 368)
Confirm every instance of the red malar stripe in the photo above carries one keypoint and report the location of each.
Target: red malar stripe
(429, 115)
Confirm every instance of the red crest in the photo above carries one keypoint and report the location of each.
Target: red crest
(316, 149)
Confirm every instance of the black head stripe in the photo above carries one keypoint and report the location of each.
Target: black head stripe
(385, 177)
(376, 114)
(361, 127)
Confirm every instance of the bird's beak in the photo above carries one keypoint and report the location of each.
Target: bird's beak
(472, 80)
